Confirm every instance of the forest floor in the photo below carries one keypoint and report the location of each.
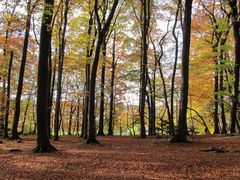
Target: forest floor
(124, 158)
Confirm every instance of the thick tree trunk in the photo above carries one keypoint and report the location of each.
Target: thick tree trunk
(144, 62)
(151, 104)
(43, 143)
(236, 29)
(90, 47)
(182, 132)
(216, 118)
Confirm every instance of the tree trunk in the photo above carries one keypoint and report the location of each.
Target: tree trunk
(101, 117)
(221, 88)
(21, 74)
(51, 76)
(182, 132)
(175, 65)
(78, 116)
(91, 130)
(26, 109)
(111, 118)
(144, 62)
(236, 27)
(8, 95)
(60, 69)
(43, 143)
(216, 118)
(90, 47)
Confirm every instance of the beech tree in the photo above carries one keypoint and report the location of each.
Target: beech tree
(43, 143)
(182, 131)
(30, 7)
(62, 32)
(236, 30)
(102, 30)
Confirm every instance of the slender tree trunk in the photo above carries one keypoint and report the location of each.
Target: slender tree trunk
(72, 110)
(182, 132)
(221, 88)
(171, 124)
(91, 130)
(175, 64)
(236, 27)
(151, 104)
(216, 118)
(111, 118)
(5, 47)
(8, 95)
(3, 102)
(26, 110)
(78, 116)
(101, 117)
(43, 143)
(60, 70)
(52, 74)
(21, 74)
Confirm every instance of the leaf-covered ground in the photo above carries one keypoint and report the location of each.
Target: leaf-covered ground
(123, 158)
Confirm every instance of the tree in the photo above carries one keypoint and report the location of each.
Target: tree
(43, 143)
(8, 95)
(182, 131)
(175, 62)
(101, 34)
(236, 31)
(22, 69)
(114, 64)
(60, 68)
(144, 61)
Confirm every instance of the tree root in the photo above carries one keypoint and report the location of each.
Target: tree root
(92, 141)
(44, 149)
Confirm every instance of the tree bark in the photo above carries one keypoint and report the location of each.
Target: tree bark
(101, 117)
(144, 61)
(21, 74)
(182, 132)
(111, 117)
(43, 143)
(175, 64)
(236, 27)
(8, 95)
(60, 69)
(101, 34)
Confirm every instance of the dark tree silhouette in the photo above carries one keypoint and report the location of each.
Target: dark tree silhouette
(60, 69)
(43, 143)
(144, 61)
(182, 132)
(30, 9)
(101, 34)
(236, 31)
